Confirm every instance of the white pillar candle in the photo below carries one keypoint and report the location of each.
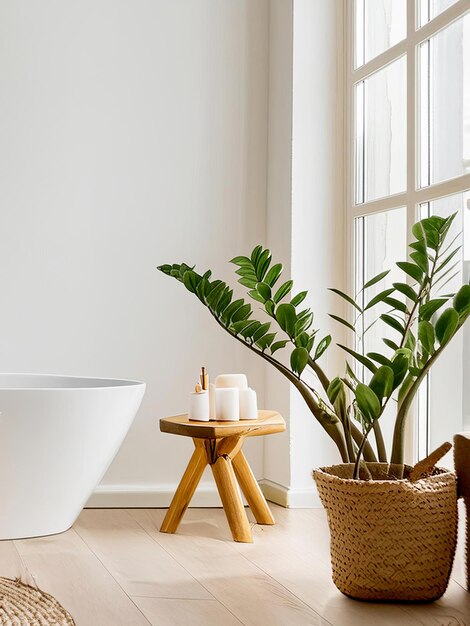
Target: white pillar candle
(199, 406)
(231, 380)
(212, 413)
(227, 404)
(248, 404)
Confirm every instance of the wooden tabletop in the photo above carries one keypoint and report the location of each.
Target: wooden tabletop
(268, 422)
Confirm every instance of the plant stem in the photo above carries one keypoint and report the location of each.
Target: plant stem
(368, 452)
(381, 451)
(359, 452)
(322, 377)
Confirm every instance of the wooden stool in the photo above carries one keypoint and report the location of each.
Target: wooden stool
(219, 444)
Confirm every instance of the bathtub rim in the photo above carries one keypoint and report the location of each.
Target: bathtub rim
(107, 383)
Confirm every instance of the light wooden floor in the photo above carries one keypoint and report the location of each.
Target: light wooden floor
(114, 568)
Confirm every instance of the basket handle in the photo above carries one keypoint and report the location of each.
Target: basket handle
(426, 465)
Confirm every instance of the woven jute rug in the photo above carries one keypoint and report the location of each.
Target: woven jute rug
(23, 605)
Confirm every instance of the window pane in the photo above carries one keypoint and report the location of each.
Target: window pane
(380, 133)
(380, 24)
(380, 242)
(428, 9)
(444, 88)
(446, 409)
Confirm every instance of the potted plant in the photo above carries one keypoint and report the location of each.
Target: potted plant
(393, 531)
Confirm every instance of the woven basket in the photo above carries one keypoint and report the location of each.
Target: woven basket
(390, 539)
(23, 605)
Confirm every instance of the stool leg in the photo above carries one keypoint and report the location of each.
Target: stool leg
(253, 494)
(231, 500)
(186, 489)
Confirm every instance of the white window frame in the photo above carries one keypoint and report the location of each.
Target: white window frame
(413, 196)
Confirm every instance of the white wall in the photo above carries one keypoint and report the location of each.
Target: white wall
(138, 133)
(131, 134)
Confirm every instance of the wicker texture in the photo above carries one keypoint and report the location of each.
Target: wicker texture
(390, 539)
(23, 605)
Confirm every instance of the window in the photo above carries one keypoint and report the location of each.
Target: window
(408, 94)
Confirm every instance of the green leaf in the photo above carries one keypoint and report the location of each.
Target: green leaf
(462, 301)
(224, 301)
(213, 297)
(411, 269)
(191, 280)
(246, 272)
(202, 289)
(426, 311)
(311, 341)
(231, 309)
(240, 326)
(300, 297)
(303, 323)
(250, 330)
(262, 264)
(406, 290)
(393, 323)
(255, 295)
(264, 291)
(410, 343)
(302, 340)
(400, 368)
(342, 321)
(283, 291)
(248, 282)
(367, 402)
(346, 297)
(426, 336)
(266, 341)
(446, 325)
(391, 344)
(262, 330)
(396, 304)
(255, 254)
(380, 358)
(269, 306)
(376, 279)
(242, 313)
(298, 360)
(421, 260)
(427, 229)
(380, 297)
(334, 389)
(242, 261)
(306, 313)
(361, 358)
(278, 345)
(322, 346)
(381, 382)
(286, 318)
(273, 274)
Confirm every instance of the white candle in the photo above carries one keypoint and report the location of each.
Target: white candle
(199, 406)
(212, 413)
(248, 404)
(231, 380)
(227, 404)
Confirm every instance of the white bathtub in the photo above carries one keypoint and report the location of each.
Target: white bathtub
(58, 436)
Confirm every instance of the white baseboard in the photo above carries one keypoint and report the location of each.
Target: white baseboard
(206, 496)
(292, 498)
(148, 496)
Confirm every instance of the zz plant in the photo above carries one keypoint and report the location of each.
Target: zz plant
(348, 407)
